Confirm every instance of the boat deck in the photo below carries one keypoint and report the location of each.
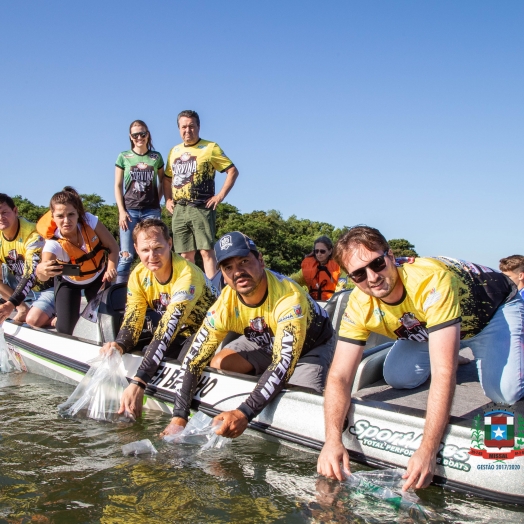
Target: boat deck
(469, 398)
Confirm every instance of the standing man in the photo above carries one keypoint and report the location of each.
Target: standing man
(171, 286)
(429, 305)
(189, 188)
(20, 253)
(513, 267)
(285, 336)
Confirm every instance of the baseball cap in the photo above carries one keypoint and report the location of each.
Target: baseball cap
(234, 244)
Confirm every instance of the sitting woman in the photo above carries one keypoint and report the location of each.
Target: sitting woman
(74, 236)
(320, 273)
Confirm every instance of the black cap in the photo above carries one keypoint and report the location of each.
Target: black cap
(234, 244)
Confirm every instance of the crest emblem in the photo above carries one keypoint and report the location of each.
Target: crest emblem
(502, 429)
(258, 324)
(499, 429)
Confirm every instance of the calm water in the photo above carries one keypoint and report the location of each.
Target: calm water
(55, 470)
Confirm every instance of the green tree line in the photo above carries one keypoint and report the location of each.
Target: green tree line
(283, 242)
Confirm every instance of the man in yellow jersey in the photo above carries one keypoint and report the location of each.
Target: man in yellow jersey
(429, 305)
(189, 189)
(173, 287)
(20, 253)
(285, 336)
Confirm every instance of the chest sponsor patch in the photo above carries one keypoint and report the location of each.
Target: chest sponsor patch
(160, 304)
(411, 328)
(184, 169)
(260, 333)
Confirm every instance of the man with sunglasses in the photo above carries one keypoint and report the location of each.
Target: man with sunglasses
(189, 188)
(433, 306)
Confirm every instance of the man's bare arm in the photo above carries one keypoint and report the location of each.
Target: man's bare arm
(444, 346)
(168, 193)
(337, 399)
(231, 176)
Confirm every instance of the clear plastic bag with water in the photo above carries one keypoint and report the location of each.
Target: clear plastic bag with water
(199, 430)
(387, 485)
(9, 362)
(140, 447)
(98, 395)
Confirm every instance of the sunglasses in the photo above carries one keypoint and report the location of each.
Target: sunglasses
(321, 251)
(143, 134)
(377, 265)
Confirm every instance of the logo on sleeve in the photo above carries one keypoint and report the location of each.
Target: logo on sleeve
(298, 311)
(210, 317)
(433, 297)
(412, 328)
(346, 318)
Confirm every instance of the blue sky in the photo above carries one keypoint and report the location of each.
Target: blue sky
(405, 115)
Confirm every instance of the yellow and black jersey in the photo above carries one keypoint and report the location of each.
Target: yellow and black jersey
(192, 170)
(183, 302)
(286, 324)
(21, 255)
(438, 292)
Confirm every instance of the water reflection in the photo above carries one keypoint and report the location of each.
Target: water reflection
(58, 470)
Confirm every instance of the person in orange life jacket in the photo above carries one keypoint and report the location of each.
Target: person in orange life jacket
(74, 236)
(320, 273)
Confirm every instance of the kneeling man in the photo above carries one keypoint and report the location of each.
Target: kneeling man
(286, 336)
(429, 305)
(170, 285)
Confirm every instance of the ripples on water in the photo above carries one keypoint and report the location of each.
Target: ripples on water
(55, 470)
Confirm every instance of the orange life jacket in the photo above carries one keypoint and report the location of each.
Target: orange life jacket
(320, 279)
(91, 262)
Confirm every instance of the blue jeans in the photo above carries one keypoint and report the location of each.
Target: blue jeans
(498, 351)
(126, 240)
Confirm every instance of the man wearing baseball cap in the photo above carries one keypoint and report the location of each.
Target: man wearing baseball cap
(285, 336)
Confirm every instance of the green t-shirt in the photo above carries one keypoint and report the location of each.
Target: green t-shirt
(140, 178)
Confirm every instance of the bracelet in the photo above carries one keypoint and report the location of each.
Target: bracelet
(141, 385)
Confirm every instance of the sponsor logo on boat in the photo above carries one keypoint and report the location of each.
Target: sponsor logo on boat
(406, 443)
(498, 435)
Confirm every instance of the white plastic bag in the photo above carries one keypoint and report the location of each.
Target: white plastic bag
(98, 394)
(8, 360)
(387, 485)
(140, 447)
(199, 430)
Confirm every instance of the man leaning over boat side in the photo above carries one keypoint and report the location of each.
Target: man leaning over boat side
(173, 287)
(430, 305)
(285, 336)
(20, 253)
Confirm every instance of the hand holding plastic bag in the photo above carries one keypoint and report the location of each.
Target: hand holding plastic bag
(199, 430)
(98, 394)
(8, 361)
(387, 485)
